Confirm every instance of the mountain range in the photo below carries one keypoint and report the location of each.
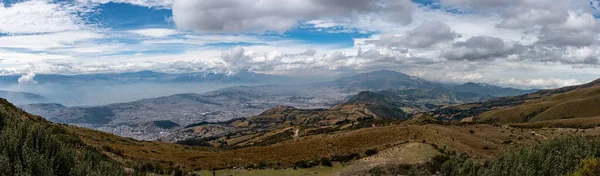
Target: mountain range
(134, 119)
(148, 76)
(22, 97)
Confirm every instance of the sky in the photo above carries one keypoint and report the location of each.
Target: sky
(516, 43)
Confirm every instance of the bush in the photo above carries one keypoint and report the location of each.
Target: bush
(326, 162)
(376, 171)
(370, 152)
(305, 164)
(588, 167)
(35, 147)
(345, 158)
(557, 157)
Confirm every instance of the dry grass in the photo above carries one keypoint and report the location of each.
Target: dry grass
(481, 141)
(409, 153)
(589, 122)
(584, 102)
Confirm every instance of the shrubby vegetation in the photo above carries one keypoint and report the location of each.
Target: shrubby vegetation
(31, 148)
(557, 157)
(576, 156)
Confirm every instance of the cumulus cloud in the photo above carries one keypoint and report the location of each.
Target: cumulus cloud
(27, 78)
(482, 48)
(275, 15)
(30, 17)
(578, 30)
(427, 34)
(558, 23)
(237, 59)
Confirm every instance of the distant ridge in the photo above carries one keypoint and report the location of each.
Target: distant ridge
(382, 80)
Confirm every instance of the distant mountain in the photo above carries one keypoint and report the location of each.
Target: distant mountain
(21, 97)
(129, 119)
(368, 97)
(401, 92)
(381, 80)
(149, 76)
(439, 95)
(487, 89)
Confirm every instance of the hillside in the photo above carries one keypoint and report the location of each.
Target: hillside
(570, 102)
(277, 123)
(30, 145)
(575, 103)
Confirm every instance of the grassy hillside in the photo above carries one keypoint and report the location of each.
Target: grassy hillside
(29, 145)
(567, 102)
(577, 103)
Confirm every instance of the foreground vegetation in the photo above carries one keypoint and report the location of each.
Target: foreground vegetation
(578, 156)
(28, 147)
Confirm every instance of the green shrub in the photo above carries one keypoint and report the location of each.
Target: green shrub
(557, 157)
(30, 147)
(588, 167)
(326, 162)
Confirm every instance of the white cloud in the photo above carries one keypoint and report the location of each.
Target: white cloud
(47, 41)
(155, 32)
(482, 48)
(322, 23)
(192, 39)
(39, 16)
(275, 15)
(538, 83)
(161, 4)
(427, 34)
(27, 78)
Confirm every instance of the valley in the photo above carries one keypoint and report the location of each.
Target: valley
(135, 119)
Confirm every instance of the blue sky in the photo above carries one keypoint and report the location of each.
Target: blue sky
(522, 43)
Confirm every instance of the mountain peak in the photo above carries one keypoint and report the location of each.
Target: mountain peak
(382, 80)
(385, 72)
(478, 84)
(367, 97)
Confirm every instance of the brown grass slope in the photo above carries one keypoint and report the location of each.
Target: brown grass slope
(579, 123)
(521, 114)
(577, 102)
